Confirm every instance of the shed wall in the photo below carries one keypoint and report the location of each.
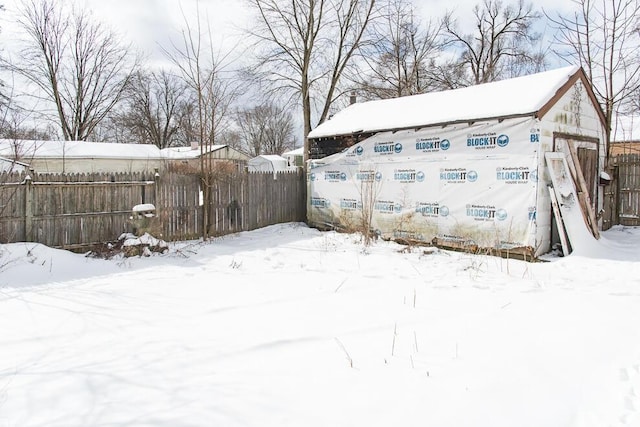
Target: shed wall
(87, 165)
(572, 114)
(463, 184)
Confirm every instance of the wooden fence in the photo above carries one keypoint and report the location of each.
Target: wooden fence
(622, 196)
(77, 210)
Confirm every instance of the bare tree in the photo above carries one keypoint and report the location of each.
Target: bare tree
(400, 53)
(266, 129)
(154, 102)
(603, 37)
(501, 46)
(75, 62)
(202, 67)
(306, 47)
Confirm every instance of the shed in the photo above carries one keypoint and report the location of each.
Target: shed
(10, 165)
(295, 157)
(466, 168)
(268, 163)
(82, 156)
(217, 154)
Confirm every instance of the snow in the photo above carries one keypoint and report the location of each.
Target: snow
(510, 97)
(144, 207)
(290, 326)
(77, 149)
(268, 163)
(98, 150)
(177, 153)
(297, 152)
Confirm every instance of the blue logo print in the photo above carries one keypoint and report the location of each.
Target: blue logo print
(343, 176)
(472, 176)
(378, 176)
(312, 177)
(359, 150)
(397, 148)
(533, 176)
(444, 211)
(445, 144)
(503, 140)
(420, 176)
(501, 214)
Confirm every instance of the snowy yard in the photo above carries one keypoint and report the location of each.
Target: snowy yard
(289, 326)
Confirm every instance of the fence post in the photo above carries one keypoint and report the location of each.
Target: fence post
(28, 208)
(156, 189)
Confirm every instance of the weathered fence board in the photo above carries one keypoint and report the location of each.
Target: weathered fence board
(73, 210)
(628, 189)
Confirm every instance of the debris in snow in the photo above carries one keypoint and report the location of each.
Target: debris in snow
(130, 245)
(144, 245)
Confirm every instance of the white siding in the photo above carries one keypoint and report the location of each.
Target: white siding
(574, 113)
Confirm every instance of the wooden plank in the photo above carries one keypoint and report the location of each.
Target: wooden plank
(584, 199)
(559, 222)
(577, 230)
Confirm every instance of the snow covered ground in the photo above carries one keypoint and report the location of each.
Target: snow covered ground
(290, 326)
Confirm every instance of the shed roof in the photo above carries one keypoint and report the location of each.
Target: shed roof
(504, 98)
(296, 152)
(77, 149)
(270, 157)
(9, 165)
(188, 152)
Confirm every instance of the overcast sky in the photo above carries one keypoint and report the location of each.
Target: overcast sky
(150, 23)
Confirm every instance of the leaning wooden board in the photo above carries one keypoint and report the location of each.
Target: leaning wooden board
(572, 216)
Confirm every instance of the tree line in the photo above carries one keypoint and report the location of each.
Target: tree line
(79, 80)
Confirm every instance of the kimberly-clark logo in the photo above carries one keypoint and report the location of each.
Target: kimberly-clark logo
(387, 148)
(367, 176)
(386, 207)
(534, 135)
(359, 150)
(486, 213)
(458, 175)
(433, 144)
(481, 212)
(408, 175)
(444, 211)
(335, 176)
(516, 174)
(483, 141)
(428, 209)
(320, 202)
(350, 204)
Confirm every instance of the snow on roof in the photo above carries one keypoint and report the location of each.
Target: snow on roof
(296, 152)
(268, 162)
(9, 165)
(520, 95)
(271, 157)
(77, 149)
(27, 149)
(187, 152)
